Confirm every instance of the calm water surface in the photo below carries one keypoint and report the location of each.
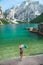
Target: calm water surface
(16, 33)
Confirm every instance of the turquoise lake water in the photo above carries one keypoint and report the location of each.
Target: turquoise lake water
(16, 33)
(11, 35)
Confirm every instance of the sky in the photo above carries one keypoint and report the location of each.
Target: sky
(6, 4)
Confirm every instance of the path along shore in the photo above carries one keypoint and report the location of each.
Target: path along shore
(27, 60)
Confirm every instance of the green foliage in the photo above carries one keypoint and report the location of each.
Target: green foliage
(4, 21)
(0, 22)
(38, 19)
(22, 21)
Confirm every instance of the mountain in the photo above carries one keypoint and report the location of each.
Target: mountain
(25, 12)
(28, 10)
(10, 12)
(38, 19)
(1, 13)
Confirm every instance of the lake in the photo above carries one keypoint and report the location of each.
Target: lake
(13, 34)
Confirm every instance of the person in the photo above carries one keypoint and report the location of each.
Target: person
(21, 51)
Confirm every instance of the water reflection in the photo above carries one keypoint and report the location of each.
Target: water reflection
(13, 31)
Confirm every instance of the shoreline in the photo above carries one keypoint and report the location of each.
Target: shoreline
(27, 60)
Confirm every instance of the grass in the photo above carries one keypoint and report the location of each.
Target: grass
(12, 50)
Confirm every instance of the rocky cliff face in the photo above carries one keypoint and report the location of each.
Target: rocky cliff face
(11, 12)
(29, 10)
(26, 11)
(1, 13)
